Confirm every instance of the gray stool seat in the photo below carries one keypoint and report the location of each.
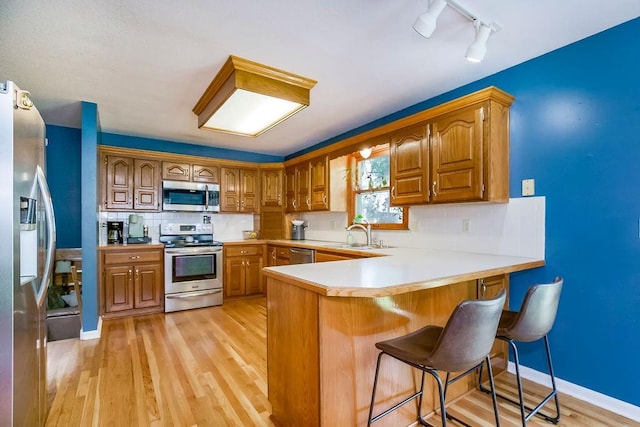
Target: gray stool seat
(532, 323)
(463, 344)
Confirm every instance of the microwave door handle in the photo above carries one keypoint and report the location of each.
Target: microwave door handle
(51, 237)
(206, 197)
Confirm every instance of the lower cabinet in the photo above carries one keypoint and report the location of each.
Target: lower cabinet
(243, 270)
(487, 288)
(132, 281)
(277, 255)
(322, 256)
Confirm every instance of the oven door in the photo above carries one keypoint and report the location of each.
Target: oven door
(192, 269)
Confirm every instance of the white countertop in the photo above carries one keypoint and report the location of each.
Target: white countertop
(402, 270)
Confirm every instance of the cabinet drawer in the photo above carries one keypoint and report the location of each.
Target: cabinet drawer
(127, 257)
(243, 250)
(282, 252)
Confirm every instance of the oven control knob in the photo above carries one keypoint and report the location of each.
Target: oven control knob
(189, 239)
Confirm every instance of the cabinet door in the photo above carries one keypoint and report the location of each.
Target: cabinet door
(118, 288)
(234, 276)
(229, 190)
(409, 167)
(249, 193)
(118, 190)
(456, 155)
(272, 256)
(271, 183)
(303, 191)
(290, 189)
(319, 183)
(253, 275)
(146, 181)
(149, 285)
(206, 173)
(176, 171)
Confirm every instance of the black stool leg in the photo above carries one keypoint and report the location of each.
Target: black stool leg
(373, 392)
(494, 398)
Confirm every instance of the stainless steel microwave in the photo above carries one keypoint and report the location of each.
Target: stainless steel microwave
(190, 196)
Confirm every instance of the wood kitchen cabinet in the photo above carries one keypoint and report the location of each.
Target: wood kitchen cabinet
(307, 186)
(174, 171)
(132, 281)
(460, 154)
(239, 190)
(409, 166)
(130, 183)
(243, 270)
(271, 184)
(277, 255)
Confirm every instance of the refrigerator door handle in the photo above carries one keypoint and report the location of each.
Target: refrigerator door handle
(51, 235)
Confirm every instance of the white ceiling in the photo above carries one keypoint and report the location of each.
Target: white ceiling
(146, 62)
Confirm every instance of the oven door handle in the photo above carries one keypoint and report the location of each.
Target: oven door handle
(191, 251)
(194, 294)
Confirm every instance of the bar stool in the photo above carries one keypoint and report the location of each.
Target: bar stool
(462, 345)
(533, 322)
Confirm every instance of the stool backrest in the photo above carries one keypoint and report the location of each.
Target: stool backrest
(538, 312)
(468, 336)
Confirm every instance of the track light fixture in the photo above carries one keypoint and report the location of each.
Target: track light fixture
(425, 25)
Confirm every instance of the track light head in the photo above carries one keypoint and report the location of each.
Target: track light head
(425, 25)
(478, 49)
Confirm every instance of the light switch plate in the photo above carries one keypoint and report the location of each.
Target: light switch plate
(528, 187)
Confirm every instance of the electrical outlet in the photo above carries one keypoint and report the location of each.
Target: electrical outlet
(528, 187)
(466, 225)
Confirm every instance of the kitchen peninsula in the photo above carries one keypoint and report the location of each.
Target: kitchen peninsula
(324, 319)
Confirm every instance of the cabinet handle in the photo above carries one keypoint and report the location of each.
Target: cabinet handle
(309, 202)
(243, 252)
(433, 189)
(130, 275)
(137, 274)
(393, 192)
(135, 257)
(294, 204)
(483, 287)
(324, 199)
(243, 204)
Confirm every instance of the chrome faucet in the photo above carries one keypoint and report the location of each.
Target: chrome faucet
(366, 229)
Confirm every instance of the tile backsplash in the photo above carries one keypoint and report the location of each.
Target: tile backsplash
(225, 226)
(514, 228)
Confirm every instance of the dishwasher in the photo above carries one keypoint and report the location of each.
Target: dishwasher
(301, 256)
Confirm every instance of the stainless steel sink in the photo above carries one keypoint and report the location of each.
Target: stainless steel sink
(352, 246)
(355, 246)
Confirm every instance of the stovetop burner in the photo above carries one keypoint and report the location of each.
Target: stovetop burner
(187, 235)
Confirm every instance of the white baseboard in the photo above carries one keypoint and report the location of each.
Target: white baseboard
(91, 335)
(593, 397)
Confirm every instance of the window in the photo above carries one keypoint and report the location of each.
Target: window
(369, 194)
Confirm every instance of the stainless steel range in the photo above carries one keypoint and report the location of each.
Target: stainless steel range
(192, 266)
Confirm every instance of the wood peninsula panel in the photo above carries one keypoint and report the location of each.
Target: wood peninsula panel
(293, 355)
(338, 345)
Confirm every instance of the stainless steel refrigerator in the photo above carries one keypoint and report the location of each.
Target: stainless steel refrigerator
(27, 247)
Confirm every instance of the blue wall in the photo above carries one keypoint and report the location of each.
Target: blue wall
(575, 129)
(184, 148)
(63, 176)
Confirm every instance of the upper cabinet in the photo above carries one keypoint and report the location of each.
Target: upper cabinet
(307, 186)
(173, 171)
(239, 190)
(272, 187)
(130, 184)
(409, 166)
(460, 154)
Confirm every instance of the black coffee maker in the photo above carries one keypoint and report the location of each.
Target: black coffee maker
(115, 232)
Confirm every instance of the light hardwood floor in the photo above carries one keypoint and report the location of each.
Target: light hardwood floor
(208, 367)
